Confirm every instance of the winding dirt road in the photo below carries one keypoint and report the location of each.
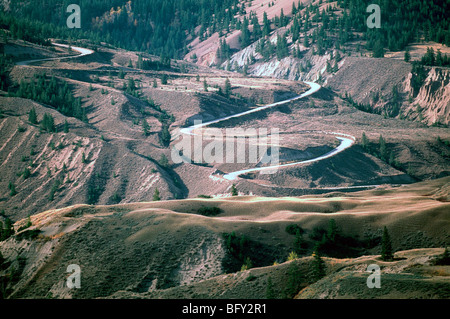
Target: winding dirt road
(345, 139)
(83, 52)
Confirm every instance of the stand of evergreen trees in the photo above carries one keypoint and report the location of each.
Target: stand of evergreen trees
(435, 59)
(5, 66)
(52, 92)
(159, 27)
(402, 22)
(164, 27)
(164, 63)
(6, 230)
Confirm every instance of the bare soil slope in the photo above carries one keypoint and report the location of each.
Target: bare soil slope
(144, 249)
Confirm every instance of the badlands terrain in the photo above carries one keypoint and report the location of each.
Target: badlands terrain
(170, 250)
(359, 146)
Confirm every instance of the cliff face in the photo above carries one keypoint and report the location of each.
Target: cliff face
(308, 68)
(381, 85)
(384, 86)
(369, 81)
(432, 103)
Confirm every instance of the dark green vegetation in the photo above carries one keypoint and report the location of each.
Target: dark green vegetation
(143, 234)
(403, 21)
(419, 74)
(141, 25)
(53, 92)
(435, 59)
(387, 154)
(156, 195)
(294, 282)
(387, 253)
(293, 229)
(332, 242)
(13, 271)
(5, 67)
(443, 259)
(152, 26)
(234, 191)
(245, 253)
(29, 234)
(209, 211)
(6, 230)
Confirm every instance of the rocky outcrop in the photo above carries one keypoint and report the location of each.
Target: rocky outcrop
(432, 103)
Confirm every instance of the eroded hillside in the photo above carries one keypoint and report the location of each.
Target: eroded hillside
(184, 248)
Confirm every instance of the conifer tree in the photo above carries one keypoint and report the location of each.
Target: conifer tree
(306, 41)
(26, 173)
(282, 47)
(378, 51)
(283, 19)
(8, 229)
(48, 123)
(12, 189)
(165, 136)
(164, 79)
(140, 64)
(332, 230)
(145, 127)
(156, 195)
(293, 281)
(234, 191)
(245, 33)
(32, 117)
(163, 161)
(227, 90)
(294, 9)
(386, 246)
(383, 149)
(407, 56)
(266, 25)
(66, 126)
(299, 242)
(318, 266)
(121, 74)
(270, 293)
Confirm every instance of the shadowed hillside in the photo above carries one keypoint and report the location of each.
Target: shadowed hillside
(120, 248)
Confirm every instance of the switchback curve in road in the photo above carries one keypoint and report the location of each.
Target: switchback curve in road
(83, 52)
(345, 139)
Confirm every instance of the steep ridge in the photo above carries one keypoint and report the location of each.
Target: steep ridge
(432, 103)
(378, 79)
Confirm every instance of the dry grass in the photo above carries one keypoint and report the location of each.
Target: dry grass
(193, 250)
